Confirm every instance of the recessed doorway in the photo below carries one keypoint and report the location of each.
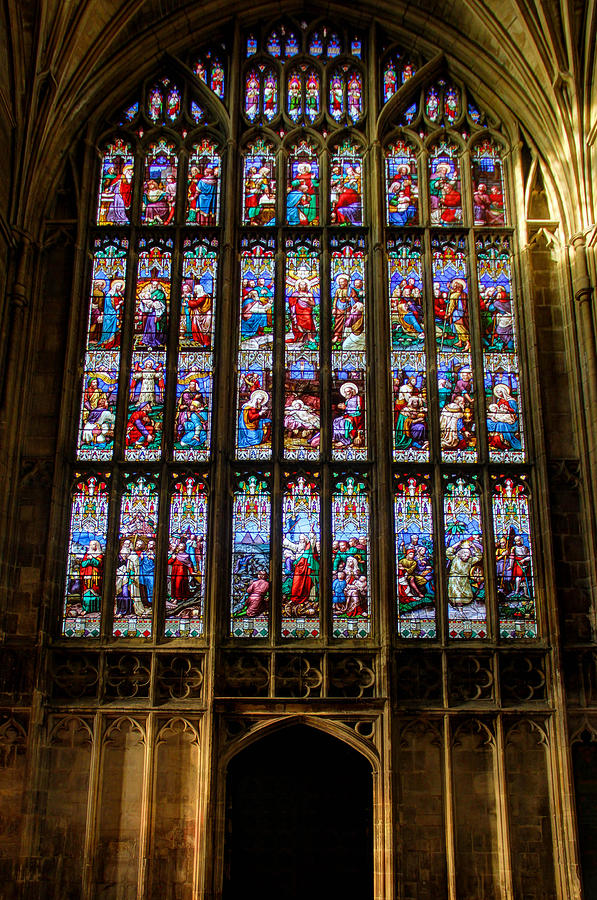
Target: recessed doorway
(299, 819)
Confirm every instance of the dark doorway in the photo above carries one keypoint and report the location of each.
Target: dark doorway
(299, 820)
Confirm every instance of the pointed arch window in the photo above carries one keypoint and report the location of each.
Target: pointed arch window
(241, 357)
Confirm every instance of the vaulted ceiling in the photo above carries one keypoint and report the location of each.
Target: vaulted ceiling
(67, 61)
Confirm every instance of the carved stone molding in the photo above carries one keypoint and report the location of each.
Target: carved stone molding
(128, 676)
(298, 675)
(522, 677)
(470, 677)
(351, 676)
(243, 674)
(74, 675)
(180, 676)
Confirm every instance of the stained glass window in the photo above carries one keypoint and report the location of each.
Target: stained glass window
(408, 358)
(102, 357)
(147, 382)
(350, 559)
(187, 557)
(398, 68)
(302, 186)
(303, 89)
(346, 185)
(415, 559)
(261, 94)
(255, 350)
(302, 403)
(203, 185)
(116, 184)
(467, 609)
(209, 68)
(488, 185)
(505, 435)
(251, 559)
(301, 551)
(159, 186)
(135, 563)
(194, 384)
(346, 95)
(349, 350)
(402, 185)
(513, 557)
(86, 557)
(445, 191)
(164, 102)
(286, 408)
(259, 185)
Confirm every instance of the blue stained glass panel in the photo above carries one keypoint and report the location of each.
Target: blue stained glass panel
(249, 614)
(301, 558)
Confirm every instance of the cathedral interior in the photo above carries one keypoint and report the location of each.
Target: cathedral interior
(298, 429)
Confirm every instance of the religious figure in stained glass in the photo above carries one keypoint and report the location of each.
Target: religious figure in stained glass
(445, 193)
(86, 553)
(250, 559)
(351, 613)
(259, 185)
(349, 351)
(203, 189)
(159, 187)
(302, 402)
(500, 359)
(255, 356)
(146, 406)
(155, 105)
(354, 91)
(402, 185)
(432, 104)
(116, 184)
(312, 95)
(336, 97)
(270, 96)
(252, 92)
(389, 81)
(451, 105)
(197, 295)
(488, 187)
(346, 198)
(415, 575)
(102, 359)
(294, 93)
(454, 362)
(301, 554)
(408, 360)
(302, 198)
(187, 552)
(135, 565)
(513, 558)
(467, 615)
(173, 103)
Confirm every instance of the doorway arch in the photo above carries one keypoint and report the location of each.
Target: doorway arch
(299, 818)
